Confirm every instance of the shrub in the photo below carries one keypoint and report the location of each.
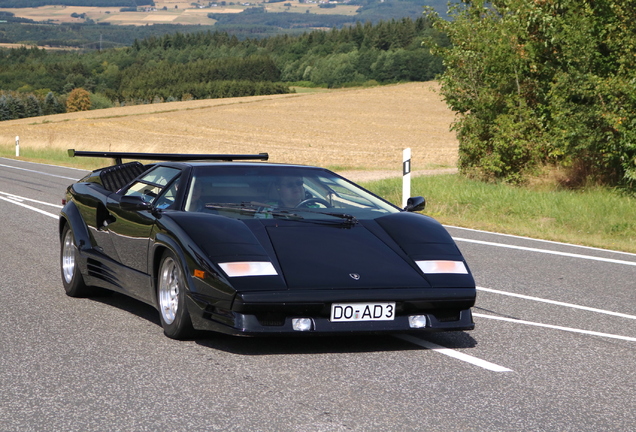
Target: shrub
(78, 100)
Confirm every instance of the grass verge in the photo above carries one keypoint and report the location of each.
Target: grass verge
(598, 217)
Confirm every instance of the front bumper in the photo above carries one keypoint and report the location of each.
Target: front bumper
(249, 325)
(448, 312)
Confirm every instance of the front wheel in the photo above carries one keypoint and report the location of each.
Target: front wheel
(175, 318)
(71, 277)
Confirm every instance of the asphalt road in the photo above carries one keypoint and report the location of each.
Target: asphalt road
(553, 349)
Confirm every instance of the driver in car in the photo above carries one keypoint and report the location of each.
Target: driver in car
(290, 190)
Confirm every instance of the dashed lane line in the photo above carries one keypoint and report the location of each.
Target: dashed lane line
(541, 240)
(39, 172)
(17, 198)
(550, 326)
(454, 354)
(558, 303)
(35, 209)
(547, 251)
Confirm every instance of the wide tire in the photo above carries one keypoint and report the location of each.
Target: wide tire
(71, 277)
(171, 287)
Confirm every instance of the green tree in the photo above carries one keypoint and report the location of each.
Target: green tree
(51, 105)
(32, 106)
(544, 81)
(78, 100)
(5, 112)
(16, 107)
(100, 101)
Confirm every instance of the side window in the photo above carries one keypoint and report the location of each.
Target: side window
(146, 191)
(161, 175)
(168, 197)
(149, 187)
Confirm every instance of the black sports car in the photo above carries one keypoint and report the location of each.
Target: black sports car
(253, 248)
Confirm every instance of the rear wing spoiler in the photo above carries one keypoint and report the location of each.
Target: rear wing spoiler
(118, 156)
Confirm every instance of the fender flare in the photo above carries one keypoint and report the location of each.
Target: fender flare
(162, 242)
(70, 215)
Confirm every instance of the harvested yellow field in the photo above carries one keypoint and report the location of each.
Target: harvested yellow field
(174, 4)
(360, 129)
(112, 15)
(62, 14)
(297, 7)
(13, 45)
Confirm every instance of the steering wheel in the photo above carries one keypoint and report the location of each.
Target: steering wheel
(305, 203)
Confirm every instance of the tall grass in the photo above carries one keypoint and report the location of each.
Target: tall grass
(596, 217)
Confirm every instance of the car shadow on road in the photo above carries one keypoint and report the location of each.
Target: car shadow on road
(130, 305)
(277, 345)
(300, 344)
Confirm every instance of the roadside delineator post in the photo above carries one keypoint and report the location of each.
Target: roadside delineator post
(17, 146)
(406, 176)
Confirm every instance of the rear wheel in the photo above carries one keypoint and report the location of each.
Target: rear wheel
(175, 318)
(71, 277)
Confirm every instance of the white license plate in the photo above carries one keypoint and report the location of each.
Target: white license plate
(347, 312)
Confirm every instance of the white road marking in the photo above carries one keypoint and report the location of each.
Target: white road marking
(30, 207)
(39, 172)
(21, 198)
(554, 302)
(43, 164)
(452, 353)
(540, 240)
(546, 251)
(569, 329)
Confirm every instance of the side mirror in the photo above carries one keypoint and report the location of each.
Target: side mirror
(134, 203)
(414, 204)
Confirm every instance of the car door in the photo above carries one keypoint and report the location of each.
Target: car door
(134, 211)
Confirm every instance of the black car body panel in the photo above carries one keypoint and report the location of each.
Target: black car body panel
(355, 249)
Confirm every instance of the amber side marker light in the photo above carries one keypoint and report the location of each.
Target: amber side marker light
(199, 274)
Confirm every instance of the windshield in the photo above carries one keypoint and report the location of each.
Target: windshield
(271, 191)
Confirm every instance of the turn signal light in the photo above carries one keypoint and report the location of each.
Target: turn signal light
(248, 268)
(437, 267)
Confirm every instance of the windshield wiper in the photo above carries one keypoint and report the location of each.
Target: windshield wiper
(348, 220)
(263, 210)
(254, 208)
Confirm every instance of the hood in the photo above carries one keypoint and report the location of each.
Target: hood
(376, 253)
(328, 257)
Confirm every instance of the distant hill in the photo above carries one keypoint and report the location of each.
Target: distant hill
(376, 10)
(371, 10)
(92, 3)
(253, 22)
